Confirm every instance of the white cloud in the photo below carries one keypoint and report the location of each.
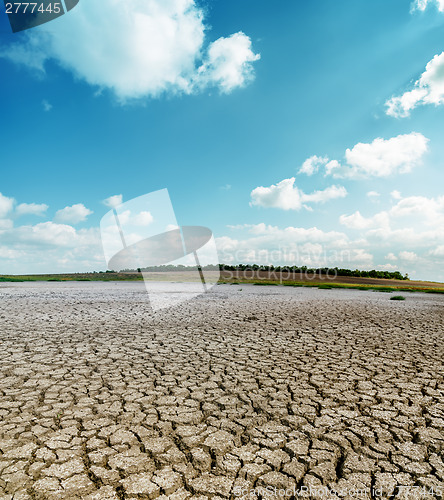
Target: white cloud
(142, 218)
(373, 195)
(142, 48)
(113, 201)
(311, 165)
(391, 256)
(49, 248)
(418, 210)
(287, 196)
(228, 64)
(357, 221)
(330, 193)
(380, 158)
(422, 4)
(429, 210)
(408, 256)
(31, 209)
(384, 157)
(429, 89)
(438, 251)
(72, 215)
(46, 247)
(46, 105)
(387, 267)
(6, 224)
(265, 244)
(331, 167)
(6, 205)
(396, 195)
(44, 233)
(411, 233)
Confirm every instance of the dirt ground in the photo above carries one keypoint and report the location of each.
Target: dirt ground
(350, 280)
(244, 392)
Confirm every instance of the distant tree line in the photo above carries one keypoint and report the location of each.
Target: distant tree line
(331, 271)
(320, 270)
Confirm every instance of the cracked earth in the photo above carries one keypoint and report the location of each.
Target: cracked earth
(245, 390)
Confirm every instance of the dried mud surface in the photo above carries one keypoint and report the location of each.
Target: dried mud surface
(243, 391)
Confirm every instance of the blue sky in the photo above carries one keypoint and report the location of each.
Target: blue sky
(222, 103)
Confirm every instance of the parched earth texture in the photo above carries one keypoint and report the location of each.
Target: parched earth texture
(244, 392)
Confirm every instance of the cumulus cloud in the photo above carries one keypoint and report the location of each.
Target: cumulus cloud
(414, 226)
(423, 4)
(391, 256)
(287, 196)
(6, 205)
(373, 195)
(429, 89)
(228, 64)
(142, 218)
(72, 215)
(267, 244)
(6, 224)
(140, 49)
(357, 221)
(49, 247)
(113, 201)
(437, 252)
(414, 209)
(408, 256)
(409, 233)
(31, 209)
(311, 165)
(429, 210)
(44, 233)
(380, 158)
(331, 166)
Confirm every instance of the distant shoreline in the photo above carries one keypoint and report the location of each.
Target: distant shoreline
(244, 277)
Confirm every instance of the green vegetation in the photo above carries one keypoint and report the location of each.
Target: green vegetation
(397, 297)
(329, 285)
(100, 276)
(384, 289)
(324, 279)
(322, 271)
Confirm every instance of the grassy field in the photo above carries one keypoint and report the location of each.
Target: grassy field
(301, 280)
(235, 277)
(72, 277)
